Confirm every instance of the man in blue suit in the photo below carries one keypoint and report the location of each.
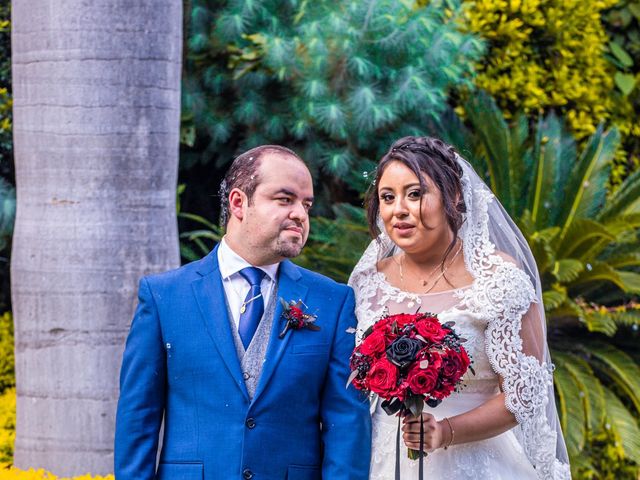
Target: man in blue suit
(239, 400)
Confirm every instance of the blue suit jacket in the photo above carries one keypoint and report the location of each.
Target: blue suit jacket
(180, 361)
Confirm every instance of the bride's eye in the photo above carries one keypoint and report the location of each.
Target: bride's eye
(386, 197)
(415, 194)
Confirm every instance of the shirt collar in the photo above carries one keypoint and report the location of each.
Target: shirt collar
(231, 263)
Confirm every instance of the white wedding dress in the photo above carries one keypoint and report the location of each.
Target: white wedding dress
(500, 457)
(502, 317)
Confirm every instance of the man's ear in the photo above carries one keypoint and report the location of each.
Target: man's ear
(237, 203)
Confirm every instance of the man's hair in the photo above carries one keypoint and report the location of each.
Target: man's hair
(243, 174)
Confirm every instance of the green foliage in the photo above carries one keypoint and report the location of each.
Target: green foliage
(7, 424)
(336, 81)
(335, 245)
(195, 244)
(550, 54)
(7, 374)
(622, 23)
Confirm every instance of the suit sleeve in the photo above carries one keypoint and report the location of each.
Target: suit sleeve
(142, 393)
(346, 423)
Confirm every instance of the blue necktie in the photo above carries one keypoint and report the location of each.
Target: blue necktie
(253, 305)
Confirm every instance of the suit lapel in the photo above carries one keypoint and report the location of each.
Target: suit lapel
(289, 289)
(210, 296)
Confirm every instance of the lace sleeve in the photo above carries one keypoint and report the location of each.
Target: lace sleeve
(515, 348)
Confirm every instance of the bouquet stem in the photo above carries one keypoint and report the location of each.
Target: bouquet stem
(413, 454)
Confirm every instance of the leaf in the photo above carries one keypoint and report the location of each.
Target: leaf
(553, 299)
(626, 82)
(627, 194)
(554, 150)
(601, 322)
(492, 129)
(620, 367)
(621, 54)
(580, 239)
(626, 317)
(599, 152)
(572, 414)
(352, 376)
(624, 426)
(600, 271)
(591, 391)
(567, 269)
(624, 260)
(415, 404)
(630, 280)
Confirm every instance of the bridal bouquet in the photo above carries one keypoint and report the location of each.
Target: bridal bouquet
(409, 360)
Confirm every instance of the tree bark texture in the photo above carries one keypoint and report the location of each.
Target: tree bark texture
(96, 130)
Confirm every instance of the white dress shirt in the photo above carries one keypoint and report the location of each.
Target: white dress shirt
(235, 285)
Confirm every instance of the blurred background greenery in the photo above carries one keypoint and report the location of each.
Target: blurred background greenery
(541, 96)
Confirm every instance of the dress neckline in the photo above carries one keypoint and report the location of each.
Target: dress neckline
(384, 283)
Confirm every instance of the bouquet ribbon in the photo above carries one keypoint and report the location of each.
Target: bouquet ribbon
(397, 407)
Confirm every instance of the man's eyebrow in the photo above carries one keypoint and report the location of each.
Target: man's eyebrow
(292, 194)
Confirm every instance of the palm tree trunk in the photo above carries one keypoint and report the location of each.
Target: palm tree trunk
(96, 129)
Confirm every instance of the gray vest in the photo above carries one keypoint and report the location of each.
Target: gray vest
(252, 359)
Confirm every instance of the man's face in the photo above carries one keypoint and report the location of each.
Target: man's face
(276, 222)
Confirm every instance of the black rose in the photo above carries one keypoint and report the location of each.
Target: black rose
(403, 351)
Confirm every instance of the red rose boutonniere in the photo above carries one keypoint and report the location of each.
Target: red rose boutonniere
(296, 318)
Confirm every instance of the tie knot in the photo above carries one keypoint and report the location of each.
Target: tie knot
(253, 275)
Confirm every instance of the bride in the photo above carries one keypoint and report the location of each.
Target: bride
(443, 244)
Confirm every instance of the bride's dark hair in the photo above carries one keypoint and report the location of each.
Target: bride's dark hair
(437, 160)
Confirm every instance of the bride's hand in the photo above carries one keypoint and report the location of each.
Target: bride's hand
(434, 433)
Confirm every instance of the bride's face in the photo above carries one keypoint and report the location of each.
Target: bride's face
(414, 219)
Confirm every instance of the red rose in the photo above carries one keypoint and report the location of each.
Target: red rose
(402, 319)
(443, 391)
(382, 377)
(400, 391)
(435, 360)
(383, 325)
(431, 329)
(454, 365)
(375, 344)
(296, 313)
(422, 380)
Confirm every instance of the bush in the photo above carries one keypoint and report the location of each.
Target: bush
(550, 54)
(11, 473)
(335, 81)
(7, 373)
(7, 424)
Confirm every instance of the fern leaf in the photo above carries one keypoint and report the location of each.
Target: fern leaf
(572, 413)
(624, 426)
(567, 269)
(619, 367)
(623, 199)
(598, 153)
(591, 390)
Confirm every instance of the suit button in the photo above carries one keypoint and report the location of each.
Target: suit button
(251, 423)
(247, 474)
